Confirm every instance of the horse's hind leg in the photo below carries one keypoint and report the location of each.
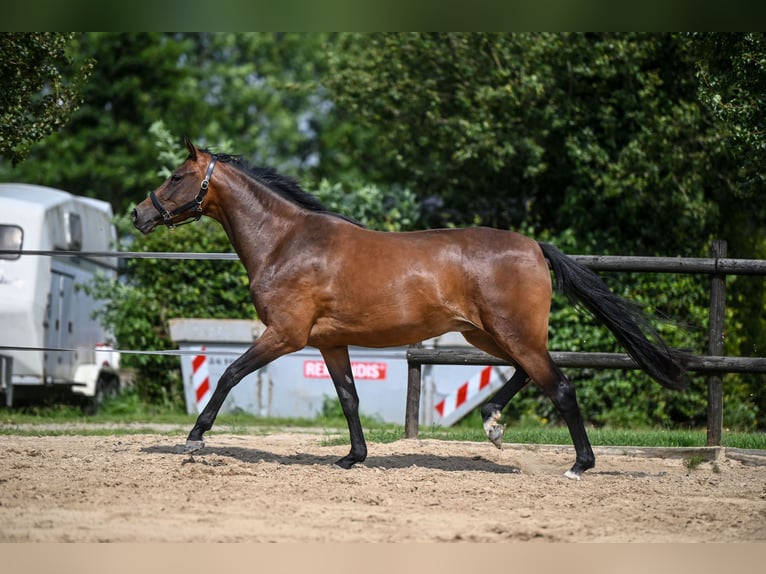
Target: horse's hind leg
(339, 365)
(564, 398)
(537, 365)
(561, 391)
(492, 410)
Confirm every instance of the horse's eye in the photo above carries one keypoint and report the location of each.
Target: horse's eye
(175, 178)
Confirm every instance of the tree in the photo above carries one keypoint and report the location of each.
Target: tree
(265, 94)
(731, 68)
(253, 94)
(40, 87)
(598, 137)
(581, 132)
(442, 113)
(104, 151)
(732, 81)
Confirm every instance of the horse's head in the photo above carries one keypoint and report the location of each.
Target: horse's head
(180, 198)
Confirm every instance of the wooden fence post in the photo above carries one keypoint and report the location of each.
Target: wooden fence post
(715, 347)
(412, 408)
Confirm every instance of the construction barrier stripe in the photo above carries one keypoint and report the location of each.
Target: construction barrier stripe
(485, 377)
(201, 379)
(202, 389)
(197, 361)
(462, 394)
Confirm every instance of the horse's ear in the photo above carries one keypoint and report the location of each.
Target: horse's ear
(191, 148)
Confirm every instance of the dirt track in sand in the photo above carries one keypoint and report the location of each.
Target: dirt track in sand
(283, 487)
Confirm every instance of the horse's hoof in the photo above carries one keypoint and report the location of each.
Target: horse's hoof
(344, 463)
(495, 431)
(572, 475)
(193, 446)
(348, 461)
(496, 434)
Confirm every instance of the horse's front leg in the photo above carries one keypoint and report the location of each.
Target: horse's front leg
(339, 366)
(267, 348)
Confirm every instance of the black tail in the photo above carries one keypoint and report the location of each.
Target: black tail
(625, 320)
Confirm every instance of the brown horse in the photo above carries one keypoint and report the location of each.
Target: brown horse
(319, 279)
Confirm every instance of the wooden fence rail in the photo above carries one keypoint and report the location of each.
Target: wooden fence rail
(714, 364)
(707, 364)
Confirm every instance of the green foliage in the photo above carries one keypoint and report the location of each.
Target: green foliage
(442, 110)
(255, 94)
(103, 151)
(731, 68)
(40, 87)
(394, 209)
(588, 132)
(732, 80)
(693, 462)
(169, 154)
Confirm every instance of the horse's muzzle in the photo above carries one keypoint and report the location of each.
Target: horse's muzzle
(143, 223)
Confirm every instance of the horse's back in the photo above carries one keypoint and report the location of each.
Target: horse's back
(471, 251)
(442, 255)
(476, 240)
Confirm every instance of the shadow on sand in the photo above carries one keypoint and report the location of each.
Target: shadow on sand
(393, 461)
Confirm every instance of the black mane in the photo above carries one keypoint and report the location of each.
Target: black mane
(283, 185)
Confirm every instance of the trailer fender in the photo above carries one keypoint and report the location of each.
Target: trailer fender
(86, 379)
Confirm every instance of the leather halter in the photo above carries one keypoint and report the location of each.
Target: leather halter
(195, 204)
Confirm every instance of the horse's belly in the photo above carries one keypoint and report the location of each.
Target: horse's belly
(333, 333)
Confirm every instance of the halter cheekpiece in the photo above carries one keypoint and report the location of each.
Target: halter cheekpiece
(195, 204)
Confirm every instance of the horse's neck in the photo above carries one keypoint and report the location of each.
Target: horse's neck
(257, 222)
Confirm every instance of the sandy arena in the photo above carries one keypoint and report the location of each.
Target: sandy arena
(282, 487)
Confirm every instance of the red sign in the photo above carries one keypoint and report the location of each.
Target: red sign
(361, 369)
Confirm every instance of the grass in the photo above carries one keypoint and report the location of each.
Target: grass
(136, 418)
(598, 437)
(693, 462)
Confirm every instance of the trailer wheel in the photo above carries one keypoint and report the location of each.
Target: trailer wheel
(106, 388)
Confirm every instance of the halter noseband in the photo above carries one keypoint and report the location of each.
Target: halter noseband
(195, 203)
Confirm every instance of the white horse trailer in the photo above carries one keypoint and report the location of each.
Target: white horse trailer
(49, 341)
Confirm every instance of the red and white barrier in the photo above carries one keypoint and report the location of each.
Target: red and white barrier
(201, 379)
(471, 394)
